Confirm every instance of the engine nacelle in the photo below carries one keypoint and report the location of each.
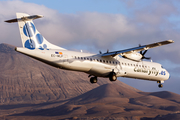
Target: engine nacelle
(133, 56)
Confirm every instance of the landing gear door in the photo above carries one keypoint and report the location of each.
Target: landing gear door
(118, 69)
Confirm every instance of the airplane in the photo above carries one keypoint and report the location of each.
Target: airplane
(128, 63)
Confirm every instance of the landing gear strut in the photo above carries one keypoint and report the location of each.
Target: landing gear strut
(93, 79)
(112, 76)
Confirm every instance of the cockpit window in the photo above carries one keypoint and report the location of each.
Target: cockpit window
(161, 66)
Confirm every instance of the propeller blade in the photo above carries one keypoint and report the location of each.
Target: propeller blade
(141, 52)
(148, 58)
(144, 52)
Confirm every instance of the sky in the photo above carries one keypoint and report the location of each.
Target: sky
(93, 25)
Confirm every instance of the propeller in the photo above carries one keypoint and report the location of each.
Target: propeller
(143, 53)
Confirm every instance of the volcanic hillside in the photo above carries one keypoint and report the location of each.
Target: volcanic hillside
(111, 101)
(30, 89)
(26, 80)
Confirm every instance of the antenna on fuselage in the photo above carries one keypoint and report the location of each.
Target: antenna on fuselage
(107, 50)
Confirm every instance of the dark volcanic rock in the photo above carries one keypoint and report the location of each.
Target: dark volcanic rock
(174, 116)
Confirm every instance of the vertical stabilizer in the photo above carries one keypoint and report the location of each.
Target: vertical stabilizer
(30, 36)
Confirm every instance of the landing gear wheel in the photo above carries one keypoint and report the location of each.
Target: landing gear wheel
(112, 76)
(160, 85)
(93, 79)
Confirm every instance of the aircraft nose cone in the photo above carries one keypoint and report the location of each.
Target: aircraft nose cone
(168, 75)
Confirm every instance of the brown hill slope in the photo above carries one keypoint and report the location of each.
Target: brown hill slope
(167, 95)
(111, 102)
(25, 80)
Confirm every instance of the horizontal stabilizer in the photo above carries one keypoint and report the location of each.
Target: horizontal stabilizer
(24, 18)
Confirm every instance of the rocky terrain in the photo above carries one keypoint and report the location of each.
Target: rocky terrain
(30, 89)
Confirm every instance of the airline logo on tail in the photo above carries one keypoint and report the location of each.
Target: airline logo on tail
(35, 38)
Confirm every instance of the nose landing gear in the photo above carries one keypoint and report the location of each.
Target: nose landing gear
(160, 84)
(93, 80)
(112, 76)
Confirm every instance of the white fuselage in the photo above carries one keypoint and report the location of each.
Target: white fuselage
(98, 66)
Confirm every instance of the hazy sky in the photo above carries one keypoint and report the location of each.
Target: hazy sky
(93, 25)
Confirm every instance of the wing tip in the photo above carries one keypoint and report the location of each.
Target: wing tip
(171, 41)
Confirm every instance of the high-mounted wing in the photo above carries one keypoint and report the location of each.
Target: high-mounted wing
(137, 49)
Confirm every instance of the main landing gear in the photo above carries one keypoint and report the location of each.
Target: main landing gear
(160, 84)
(93, 79)
(112, 76)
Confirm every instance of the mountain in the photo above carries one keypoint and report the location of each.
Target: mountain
(30, 89)
(26, 80)
(110, 101)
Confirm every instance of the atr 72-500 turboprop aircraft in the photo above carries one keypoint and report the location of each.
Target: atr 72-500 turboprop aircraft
(108, 64)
